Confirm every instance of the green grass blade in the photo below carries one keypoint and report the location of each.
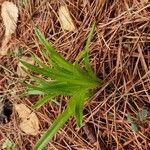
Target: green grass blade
(36, 69)
(39, 62)
(49, 89)
(43, 100)
(56, 87)
(61, 78)
(34, 92)
(86, 50)
(54, 55)
(76, 98)
(57, 124)
(47, 56)
(82, 96)
(88, 65)
(36, 89)
(41, 81)
(79, 113)
(82, 54)
(142, 115)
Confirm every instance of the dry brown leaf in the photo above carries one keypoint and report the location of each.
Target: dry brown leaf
(20, 71)
(30, 122)
(65, 19)
(22, 111)
(9, 13)
(30, 125)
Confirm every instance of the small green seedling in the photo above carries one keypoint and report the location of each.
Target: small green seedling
(140, 117)
(61, 77)
(133, 123)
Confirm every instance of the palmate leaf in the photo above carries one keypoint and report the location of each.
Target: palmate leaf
(61, 78)
(58, 88)
(55, 57)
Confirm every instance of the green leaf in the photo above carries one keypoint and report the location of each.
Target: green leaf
(52, 130)
(47, 56)
(44, 100)
(72, 102)
(83, 80)
(34, 92)
(39, 62)
(83, 53)
(35, 69)
(82, 96)
(135, 127)
(130, 119)
(62, 78)
(55, 87)
(41, 81)
(54, 55)
(44, 41)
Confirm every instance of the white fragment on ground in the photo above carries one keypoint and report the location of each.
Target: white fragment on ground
(9, 13)
(65, 19)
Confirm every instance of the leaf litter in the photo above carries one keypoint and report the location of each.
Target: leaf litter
(29, 121)
(9, 13)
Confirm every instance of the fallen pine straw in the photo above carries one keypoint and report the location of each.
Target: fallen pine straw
(120, 56)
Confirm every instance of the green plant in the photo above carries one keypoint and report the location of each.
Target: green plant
(133, 123)
(141, 116)
(61, 77)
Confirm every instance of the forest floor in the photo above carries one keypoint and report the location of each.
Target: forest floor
(118, 115)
